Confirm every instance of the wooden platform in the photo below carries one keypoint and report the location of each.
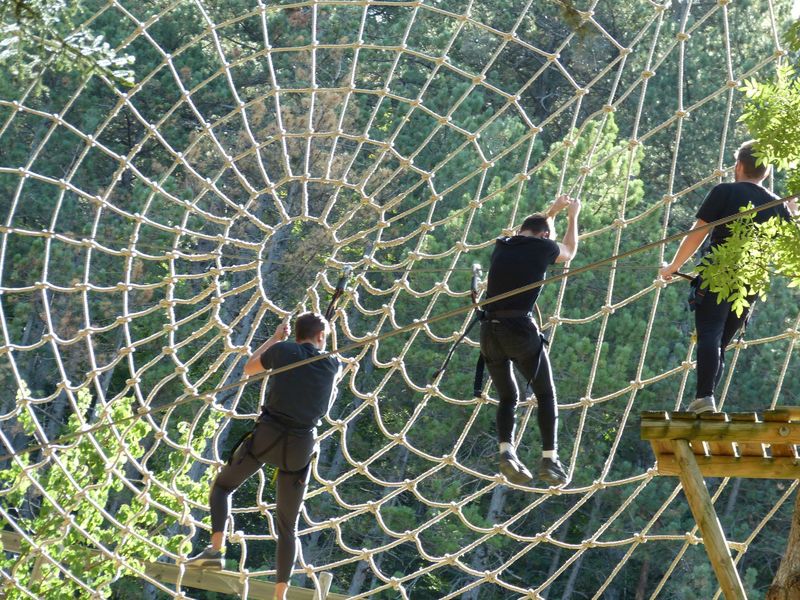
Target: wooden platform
(758, 445)
(692, 447)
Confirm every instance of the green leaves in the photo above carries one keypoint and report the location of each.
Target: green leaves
(770, 113)
(40, 34)
(742, 266)
(69, 521)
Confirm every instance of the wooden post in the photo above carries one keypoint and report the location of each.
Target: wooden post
(706, 517)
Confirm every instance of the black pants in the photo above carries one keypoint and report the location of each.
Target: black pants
(517, 340)
(290, 451)
(716, 325)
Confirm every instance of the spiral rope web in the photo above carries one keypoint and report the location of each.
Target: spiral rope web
(261, 171)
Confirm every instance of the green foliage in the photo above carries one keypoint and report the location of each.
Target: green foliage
(770, 114)
(742, 266)
(622, 183)
(69, 523)
(40, 34)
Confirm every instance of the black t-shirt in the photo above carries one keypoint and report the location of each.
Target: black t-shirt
(304, 394)
(518, 261)
(728, 199)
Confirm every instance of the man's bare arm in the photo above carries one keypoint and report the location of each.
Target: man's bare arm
(686, 250)
(568, 246)
(253, 365)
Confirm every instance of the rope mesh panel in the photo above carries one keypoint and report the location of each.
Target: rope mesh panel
(186, 216)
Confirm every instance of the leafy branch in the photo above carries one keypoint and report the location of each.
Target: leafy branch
(34, 34)
(742, 267)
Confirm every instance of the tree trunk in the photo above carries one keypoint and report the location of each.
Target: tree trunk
(360, 576)
(730, 506)
(786, 584)
(641, 587)
(569, 590)
(479, 561)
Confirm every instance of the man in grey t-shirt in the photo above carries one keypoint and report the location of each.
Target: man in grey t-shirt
(283, 437)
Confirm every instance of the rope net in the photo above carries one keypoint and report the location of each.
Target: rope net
(151, 236)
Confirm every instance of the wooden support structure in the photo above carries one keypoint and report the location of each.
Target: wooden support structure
(706, 517)
(722, 445)
(226, 582)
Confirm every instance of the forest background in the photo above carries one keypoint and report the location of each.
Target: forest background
(295, 255)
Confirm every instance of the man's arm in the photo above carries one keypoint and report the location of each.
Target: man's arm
(569, 243)
(557, 206)
(253, 365)
(688, 247)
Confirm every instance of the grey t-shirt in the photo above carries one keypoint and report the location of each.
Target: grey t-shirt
(304, 394)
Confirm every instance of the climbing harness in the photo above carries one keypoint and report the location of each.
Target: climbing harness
(341, 286)
(477, 275)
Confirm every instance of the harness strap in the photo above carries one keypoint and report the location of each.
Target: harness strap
(477, 274)
(475, 319)
(477, 384)
(341, 285)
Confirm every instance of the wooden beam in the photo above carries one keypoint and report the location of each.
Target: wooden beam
(226, 582)
(748, 448)
(754, 467)
(706, 517)
(782, 413)
(718, 448)
(734, 431)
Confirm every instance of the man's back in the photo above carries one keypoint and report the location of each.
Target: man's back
(303, 394)
(728, 199)
(518, 261)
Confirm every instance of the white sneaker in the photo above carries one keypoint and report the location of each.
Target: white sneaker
(701, 405)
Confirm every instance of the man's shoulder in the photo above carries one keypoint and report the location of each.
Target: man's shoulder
(750, 191)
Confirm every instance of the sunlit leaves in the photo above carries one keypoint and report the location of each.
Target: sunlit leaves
(742, 266)
(40, 34)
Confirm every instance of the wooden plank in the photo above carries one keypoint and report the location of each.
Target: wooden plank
(698, 447)
(780, 433)
(748, 448)
(205, 579)
(718, 448)
(654, 414)
(706, 517)
(781, 417)
(782, 413)
(682, 415)
(754, 467)
(661, 447)
(786, 450)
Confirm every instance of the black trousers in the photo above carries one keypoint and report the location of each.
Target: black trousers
(716, 326)
(517, 340)
(289, 450)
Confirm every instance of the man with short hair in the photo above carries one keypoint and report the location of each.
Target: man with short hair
(716, 323)
(284, 437)
(509, 334)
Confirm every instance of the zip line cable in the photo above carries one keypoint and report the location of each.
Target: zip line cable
(148, 410)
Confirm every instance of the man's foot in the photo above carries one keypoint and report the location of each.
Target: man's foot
(701, 405)
(551, 472)
(207, 559)
(513, 469)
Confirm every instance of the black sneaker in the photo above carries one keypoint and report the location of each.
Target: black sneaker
(513, 469)
(207, 559)
(551, 472)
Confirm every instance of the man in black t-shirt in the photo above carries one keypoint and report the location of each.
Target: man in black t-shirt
(716, 323)
(284, 437)
(510, 335)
